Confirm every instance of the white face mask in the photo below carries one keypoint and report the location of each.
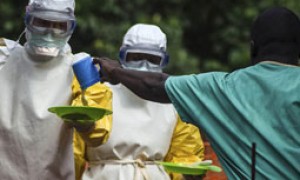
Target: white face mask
(45, 45)
(142, 65)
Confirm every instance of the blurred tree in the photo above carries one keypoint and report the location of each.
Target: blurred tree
(101, 28)
(217, 32)
(11, 18)
(202, 35)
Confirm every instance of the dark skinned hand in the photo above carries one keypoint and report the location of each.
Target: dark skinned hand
(79, 126)
(107, 67)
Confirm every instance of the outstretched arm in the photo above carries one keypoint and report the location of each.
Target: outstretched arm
(147, 85)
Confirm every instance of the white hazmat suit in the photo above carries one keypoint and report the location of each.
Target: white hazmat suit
(143, 131)
(35, 144)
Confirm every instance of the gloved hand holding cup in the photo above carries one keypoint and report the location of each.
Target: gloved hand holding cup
(87, 75)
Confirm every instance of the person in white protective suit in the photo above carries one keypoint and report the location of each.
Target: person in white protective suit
(34, 143)
(137, 138)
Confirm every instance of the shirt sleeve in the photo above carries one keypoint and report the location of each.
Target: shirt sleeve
(186, 146)
(98, 95)
(195, 96)
(79, 148)
(204, 100)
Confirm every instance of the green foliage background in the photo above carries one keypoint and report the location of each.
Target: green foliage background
(202, 35)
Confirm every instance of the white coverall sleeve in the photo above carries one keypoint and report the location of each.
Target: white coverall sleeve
(5, 45)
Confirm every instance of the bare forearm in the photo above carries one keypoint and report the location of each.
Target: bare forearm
(147, 85)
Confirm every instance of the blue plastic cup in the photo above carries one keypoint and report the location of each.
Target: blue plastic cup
(86, 72)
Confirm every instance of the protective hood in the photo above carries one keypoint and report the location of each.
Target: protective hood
(276, 36)
(145, 34)
(55, 10)
(144, 39)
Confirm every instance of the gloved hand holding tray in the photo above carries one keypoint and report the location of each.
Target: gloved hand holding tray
(82, 114)
(191, 169)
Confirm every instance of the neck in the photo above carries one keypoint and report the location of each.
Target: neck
(282, 52)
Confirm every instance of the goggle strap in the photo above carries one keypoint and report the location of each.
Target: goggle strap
(26, 18)
(165, 61)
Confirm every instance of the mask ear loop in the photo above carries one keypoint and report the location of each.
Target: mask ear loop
(165, 60)
(20, 36)
(26, 19)
(122, 54)
(17, 42)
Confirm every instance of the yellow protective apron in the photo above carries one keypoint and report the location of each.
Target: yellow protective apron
(34, 143)
(141, 134)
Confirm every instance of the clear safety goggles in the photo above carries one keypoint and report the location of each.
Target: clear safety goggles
(56, 28)
(141, 52)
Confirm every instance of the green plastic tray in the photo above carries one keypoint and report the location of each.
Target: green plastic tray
(188, 169)
(82, 114)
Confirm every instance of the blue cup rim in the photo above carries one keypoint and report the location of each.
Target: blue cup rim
(87, 57)
(85, 78)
